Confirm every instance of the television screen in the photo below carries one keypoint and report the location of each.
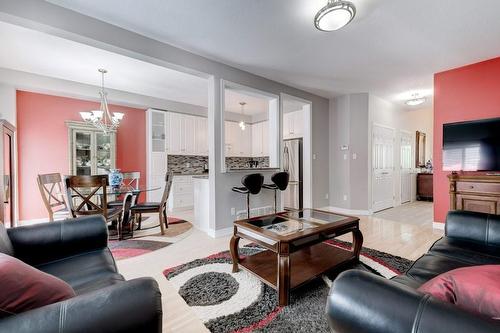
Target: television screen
(472, 146)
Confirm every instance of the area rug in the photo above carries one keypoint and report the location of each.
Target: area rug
(239, 302)
(133, 248)
(150, 227)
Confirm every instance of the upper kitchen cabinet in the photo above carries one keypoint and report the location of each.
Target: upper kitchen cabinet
(293, 123)
(187, 135)
(91, 151)
(251, 127)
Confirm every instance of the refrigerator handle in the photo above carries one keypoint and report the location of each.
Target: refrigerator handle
(286, 159)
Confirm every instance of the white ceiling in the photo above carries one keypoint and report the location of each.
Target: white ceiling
(254, 104)
(393, 47)
(39, 53)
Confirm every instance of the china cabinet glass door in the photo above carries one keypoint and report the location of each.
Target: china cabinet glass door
(102, 153)
(83, 153)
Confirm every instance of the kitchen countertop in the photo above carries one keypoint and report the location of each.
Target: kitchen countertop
(200, 177)
(252, 169)
(190, 174)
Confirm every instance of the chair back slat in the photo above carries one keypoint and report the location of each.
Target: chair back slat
(169, 177)
(53, 193)
(131, 179)
(89, 194)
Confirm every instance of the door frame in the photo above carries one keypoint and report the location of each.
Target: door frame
(371, 164)
(307, 180)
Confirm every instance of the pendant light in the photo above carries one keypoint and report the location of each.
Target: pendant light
(102, 118)
(335, 15)
(242, 122)
(415, 100)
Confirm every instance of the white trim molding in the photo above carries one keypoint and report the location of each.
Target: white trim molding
(438, 225)
(347, 211)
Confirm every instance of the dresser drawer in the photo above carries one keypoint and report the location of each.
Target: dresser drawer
(478, 187)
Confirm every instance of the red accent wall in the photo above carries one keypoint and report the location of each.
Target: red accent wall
(461, 94)
(43, 143)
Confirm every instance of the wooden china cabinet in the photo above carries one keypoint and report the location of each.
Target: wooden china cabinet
(91, 152)
(7, 174)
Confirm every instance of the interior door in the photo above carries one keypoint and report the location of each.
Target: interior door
(406, 166)
(382, 168)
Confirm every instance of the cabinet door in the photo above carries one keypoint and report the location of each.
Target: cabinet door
(158, 131)
(103, 153)
(232, 138)
(245, 141)
(83, 153)
(201, 136)
(189, 135)
(298, 124)
(257, 140)
(287, 126)
(174, 133)
(265, 138)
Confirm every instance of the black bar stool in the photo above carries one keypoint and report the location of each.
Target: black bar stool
(252, 184)
(280, 182)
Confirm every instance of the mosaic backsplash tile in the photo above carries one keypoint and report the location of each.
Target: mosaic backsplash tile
(194, 165)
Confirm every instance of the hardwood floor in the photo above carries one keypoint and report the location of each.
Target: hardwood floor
(392, 232)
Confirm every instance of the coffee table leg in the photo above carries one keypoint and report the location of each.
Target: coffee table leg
(283, 279)
(233, 247)
(358, 242)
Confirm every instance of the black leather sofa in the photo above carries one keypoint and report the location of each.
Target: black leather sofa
(361, 302)
(76, 251)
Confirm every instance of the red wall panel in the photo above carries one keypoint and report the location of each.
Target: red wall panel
(461, 94)
(43, 142)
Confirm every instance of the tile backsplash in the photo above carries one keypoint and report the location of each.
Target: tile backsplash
(185, 164)
(243, 162)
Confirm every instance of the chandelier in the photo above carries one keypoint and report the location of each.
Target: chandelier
(242, 122)
(102, 118)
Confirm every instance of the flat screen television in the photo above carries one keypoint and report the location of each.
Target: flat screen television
(472, 146)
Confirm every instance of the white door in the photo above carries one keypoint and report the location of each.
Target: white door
(382, 168)
(406, 166)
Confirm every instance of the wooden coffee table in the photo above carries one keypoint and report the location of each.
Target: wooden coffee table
(295, 252)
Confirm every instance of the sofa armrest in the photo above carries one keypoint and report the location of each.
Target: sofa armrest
(130, 306)
(361, 302)
(42, 243)
(473, 227)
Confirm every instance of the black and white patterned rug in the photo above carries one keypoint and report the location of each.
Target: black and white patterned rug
(239, 302)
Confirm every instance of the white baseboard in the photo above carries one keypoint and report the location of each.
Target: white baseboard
(220, 232)
(438, 225)
(347, 211)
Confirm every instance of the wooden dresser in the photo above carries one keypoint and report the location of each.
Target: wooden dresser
(477, 193)
(425, 186)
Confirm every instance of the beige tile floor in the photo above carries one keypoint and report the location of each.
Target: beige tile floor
(393, 233)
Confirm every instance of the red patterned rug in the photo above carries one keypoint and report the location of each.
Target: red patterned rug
(133, 247)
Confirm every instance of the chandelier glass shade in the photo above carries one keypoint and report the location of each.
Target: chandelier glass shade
(335, 15)
(102, 118)
(415, 100)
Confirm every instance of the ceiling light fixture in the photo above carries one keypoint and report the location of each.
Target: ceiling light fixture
(415, 100)
(335, 15)
(242, 122)
(102, 118)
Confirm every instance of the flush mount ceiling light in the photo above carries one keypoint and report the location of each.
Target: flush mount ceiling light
(335, 15)
(415, 100)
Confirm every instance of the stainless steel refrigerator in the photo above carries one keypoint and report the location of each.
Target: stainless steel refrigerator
(292, 163)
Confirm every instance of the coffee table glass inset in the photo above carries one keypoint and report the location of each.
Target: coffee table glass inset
(295, 252)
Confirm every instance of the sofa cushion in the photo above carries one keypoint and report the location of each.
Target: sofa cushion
(476, 289)
(5, 244)
(85, 272)
(471, 252)
(24, 287)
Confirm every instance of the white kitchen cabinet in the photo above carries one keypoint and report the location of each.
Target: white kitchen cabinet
(293, 125)
(156, 156)
(238, 142)
(260, 139)
(175, 137)
(201, 136)
(188, 129)
(181, 193)
(265, 138)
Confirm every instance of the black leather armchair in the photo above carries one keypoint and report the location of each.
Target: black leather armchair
(361, 302)
(76, 251)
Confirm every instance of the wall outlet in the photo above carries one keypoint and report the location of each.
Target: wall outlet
(354, 156)
(233, 211)
(345, 197)
(326, 196)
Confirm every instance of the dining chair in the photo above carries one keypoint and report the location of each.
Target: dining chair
(155, 207)
(89, 196)
(126, 225)
(54, 196)
(131, 180)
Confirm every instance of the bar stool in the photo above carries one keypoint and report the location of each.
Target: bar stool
(252, 184)
(280, 182)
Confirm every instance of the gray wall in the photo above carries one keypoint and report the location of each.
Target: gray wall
(349, 117)
(59, 21)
